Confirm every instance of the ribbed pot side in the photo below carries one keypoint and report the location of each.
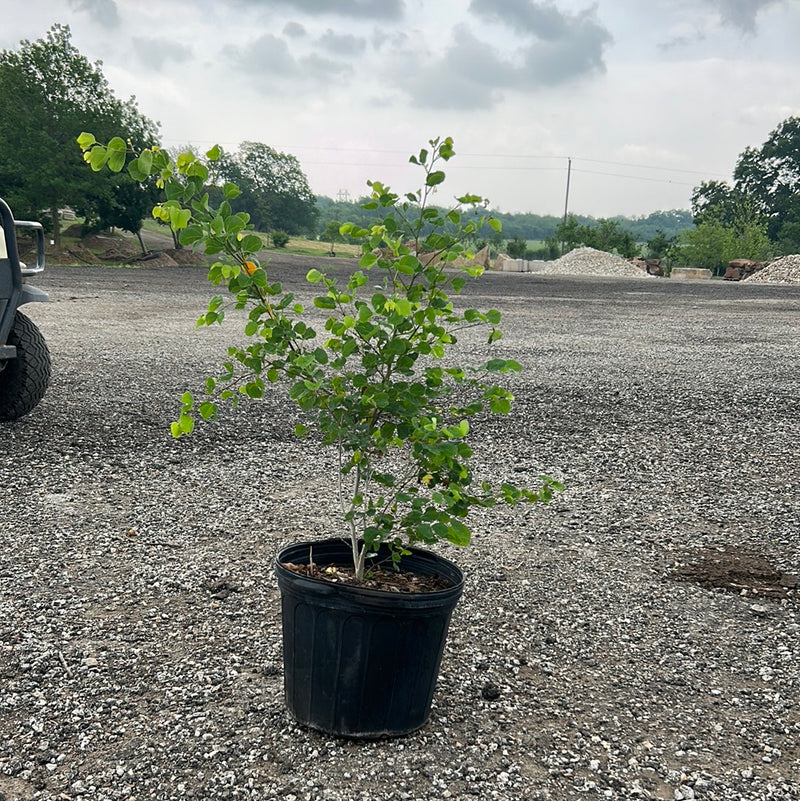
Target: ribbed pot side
(361, 662)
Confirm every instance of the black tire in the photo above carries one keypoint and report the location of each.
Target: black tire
(24, 380)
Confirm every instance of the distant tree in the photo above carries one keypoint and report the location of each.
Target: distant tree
(713, 244)
(275, 191)
(516, 248)
(280, 239)
(569, 233)
(659, 245)
(124, 206)
(49, 93)
(643, 229)
(609, 236)
(715, 200)
(331, 233)
(603, 234)
(770, 176)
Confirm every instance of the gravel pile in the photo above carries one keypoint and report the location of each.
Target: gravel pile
(785, 270)
(140, 653)
(588, 261)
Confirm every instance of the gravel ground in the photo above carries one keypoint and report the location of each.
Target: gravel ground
(139, 620)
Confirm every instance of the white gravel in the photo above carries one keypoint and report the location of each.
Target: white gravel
(139, 618)
(785, 270)
(579, 261)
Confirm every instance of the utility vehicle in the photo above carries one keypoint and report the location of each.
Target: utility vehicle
(24, 357)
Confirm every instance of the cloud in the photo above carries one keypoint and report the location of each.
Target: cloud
(544, 21)
(742, 14)
(342, 43)
(366, 9)
(294, 30)
(103, 12)
(156, 52)
(546, 47)
(272, 68)
(465, 76)
(563, 58)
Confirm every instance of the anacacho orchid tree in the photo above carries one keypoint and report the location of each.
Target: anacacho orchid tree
(381, 383)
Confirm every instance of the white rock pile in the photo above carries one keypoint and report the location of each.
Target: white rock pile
(580, 261)
(785, 270)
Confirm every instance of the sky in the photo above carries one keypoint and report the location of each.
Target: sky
(636, 101)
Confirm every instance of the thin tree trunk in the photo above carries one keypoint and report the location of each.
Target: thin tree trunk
(141, 241)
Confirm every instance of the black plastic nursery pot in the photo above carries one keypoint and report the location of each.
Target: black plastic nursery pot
(362, 662)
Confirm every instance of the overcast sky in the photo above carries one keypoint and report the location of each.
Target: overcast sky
(648, 97)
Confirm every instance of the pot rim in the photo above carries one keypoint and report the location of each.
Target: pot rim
(452, 572)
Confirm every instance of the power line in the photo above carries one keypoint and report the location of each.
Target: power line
(634, 177)
(517, 156)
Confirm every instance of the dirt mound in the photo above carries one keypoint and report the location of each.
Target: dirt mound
(740, 571)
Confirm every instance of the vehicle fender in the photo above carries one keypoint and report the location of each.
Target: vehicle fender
(32, 294)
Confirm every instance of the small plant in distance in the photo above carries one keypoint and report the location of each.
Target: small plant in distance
(378, 384)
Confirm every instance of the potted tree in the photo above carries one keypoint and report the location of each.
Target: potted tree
(365, 613)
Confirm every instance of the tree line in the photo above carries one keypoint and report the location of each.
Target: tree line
(49, 93)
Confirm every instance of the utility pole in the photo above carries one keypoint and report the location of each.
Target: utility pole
(566, 199)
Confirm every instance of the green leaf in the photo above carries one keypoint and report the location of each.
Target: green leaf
(409, 265)
(214, 153)
(146, 161)
(314, 276)
(458, 533)
(135, 170)
(190, 235)
(179, 218)
(252, 243)
(435, 178)
(86, 140)
(403, 307)
(500, 405)
(117, 150)
(98, 156)
(495, 224)
(396, 347)
(207, 410)
(230, 191)
(502, 366)
(325, 302)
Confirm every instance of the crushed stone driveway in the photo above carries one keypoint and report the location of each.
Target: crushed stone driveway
(140, 653)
